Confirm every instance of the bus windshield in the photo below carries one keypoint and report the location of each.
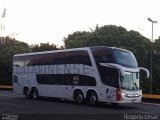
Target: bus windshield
(130, 81)
(125, 58)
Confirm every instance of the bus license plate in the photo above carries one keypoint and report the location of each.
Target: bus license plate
(133, 100)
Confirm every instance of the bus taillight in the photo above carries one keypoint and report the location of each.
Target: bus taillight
(118, 94)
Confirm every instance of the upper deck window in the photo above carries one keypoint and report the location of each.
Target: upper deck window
(103, 56)
(68, 57)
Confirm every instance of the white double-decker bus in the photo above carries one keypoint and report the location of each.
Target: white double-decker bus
(89, 74)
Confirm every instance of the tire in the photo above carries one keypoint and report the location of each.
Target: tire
(79, 97)
(35, 94)
(27, 93)
(93, 99)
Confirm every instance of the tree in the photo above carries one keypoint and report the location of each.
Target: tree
(156, 66)
(8, 49)
(76, 39)
(44, 47)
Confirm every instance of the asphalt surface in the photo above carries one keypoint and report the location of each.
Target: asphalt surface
(15, 107)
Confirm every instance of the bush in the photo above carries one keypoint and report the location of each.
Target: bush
(5, 80)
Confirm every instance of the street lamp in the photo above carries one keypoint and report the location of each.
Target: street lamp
(150, 20)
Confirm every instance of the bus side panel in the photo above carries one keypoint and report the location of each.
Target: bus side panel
(17, 85)
(20, 81)
(57, 91)
(107, 93)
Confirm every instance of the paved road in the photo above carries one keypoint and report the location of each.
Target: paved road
(16, 106)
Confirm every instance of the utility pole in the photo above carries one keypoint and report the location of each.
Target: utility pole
(2, 24)
(151, 57)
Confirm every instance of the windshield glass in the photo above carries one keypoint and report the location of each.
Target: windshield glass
(125, 58)
(130, 81)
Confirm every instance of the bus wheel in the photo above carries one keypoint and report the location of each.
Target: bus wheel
(35, 94)
(26, 93)
(79, 97)
(93, 99)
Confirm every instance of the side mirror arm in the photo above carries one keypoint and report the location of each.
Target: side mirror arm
(146, 70)
(114, 66)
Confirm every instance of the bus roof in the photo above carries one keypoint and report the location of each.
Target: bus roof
(72, 49)
(107, 47)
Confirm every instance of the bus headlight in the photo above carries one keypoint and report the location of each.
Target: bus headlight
(140, 93)
(123, 94)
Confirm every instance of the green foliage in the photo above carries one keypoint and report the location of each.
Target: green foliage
(44, 47)
(8, 49)
(156, 66)
(76, 39)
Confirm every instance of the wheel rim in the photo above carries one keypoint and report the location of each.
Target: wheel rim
(79, 98)
(93, 100)
(27, 93)
(35, 94)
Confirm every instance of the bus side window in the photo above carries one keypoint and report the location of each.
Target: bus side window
(109, 76)
(103, 56)
(15, 80)
(81, 57)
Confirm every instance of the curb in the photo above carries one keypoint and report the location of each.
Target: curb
(4, 87)
(151, 96)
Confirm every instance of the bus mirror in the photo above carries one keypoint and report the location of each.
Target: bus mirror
(122, 72)
(146, 70)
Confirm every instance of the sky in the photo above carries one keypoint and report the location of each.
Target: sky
(42, 21)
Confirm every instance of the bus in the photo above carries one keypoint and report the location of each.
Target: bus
(89, 74)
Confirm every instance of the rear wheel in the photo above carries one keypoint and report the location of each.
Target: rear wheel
(35, 94)
(79, 97)
(27, 93)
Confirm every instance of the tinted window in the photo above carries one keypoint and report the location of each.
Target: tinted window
(15, 80)
(66, 79)
(58, 79)
(81, 57)
(72, 57)
(103, 56)
(109, 76)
